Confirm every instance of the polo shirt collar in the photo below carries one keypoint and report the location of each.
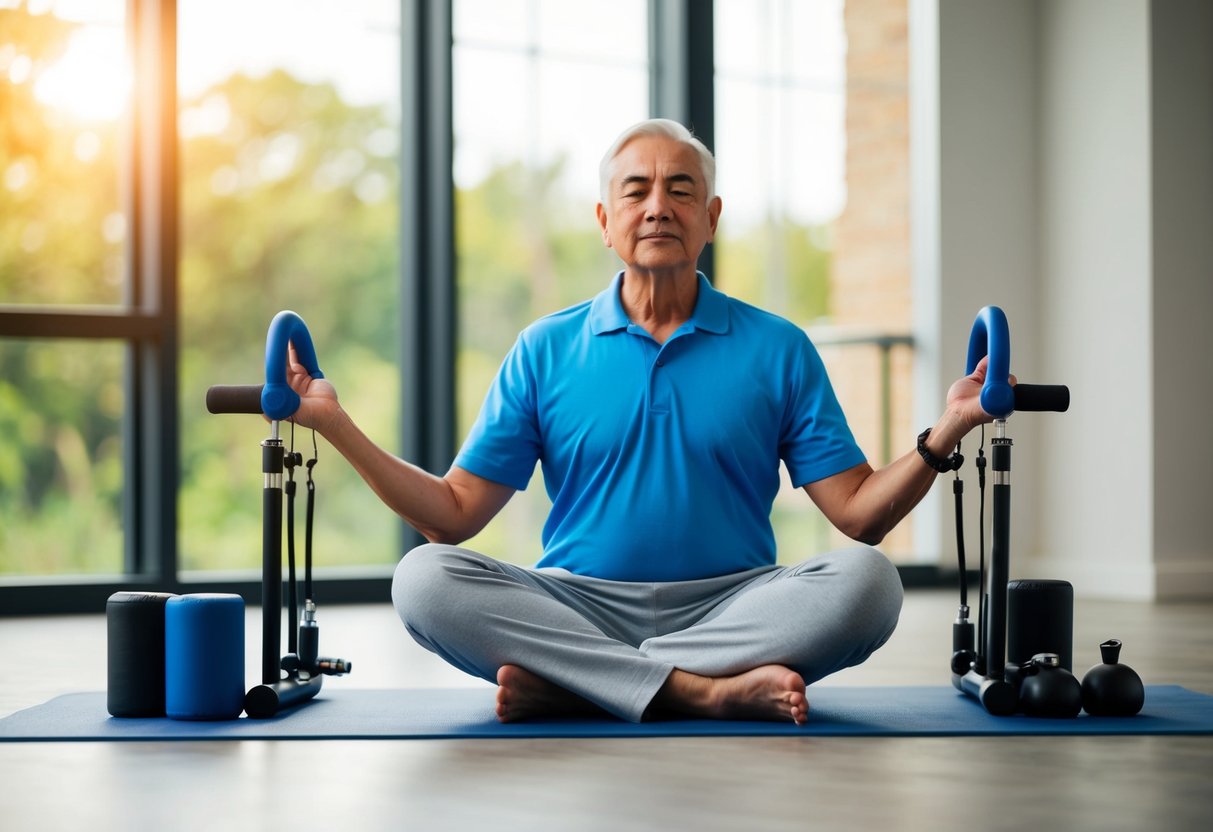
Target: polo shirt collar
(711, 309)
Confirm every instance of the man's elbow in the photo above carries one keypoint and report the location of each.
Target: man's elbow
(445, 538)
(448, 536)
(871, 527)
(868, 533)
(869, 538)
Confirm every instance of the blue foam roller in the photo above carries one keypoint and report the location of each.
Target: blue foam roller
(204, 656)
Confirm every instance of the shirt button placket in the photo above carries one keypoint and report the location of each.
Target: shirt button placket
(659, 387)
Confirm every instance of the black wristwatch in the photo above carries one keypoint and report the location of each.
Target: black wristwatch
(951, 463)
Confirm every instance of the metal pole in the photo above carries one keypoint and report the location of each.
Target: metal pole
(272, 454)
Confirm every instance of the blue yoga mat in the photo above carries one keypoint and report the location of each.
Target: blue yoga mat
(345, 713)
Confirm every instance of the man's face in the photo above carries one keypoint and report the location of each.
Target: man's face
(657, 215)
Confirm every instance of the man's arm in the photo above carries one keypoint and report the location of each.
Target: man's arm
(447, 509)
(865, 504)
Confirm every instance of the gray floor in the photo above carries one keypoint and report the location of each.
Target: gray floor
(1029, 783)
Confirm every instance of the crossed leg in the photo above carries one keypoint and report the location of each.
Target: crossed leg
(564, 644)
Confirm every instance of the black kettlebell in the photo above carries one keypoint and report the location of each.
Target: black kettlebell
(1049, 690)
(1112, 688)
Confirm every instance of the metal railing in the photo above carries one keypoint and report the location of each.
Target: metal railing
(884, 342)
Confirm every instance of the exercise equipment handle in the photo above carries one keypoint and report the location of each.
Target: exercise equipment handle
(1042, 397)
(234, 398)
(991, 336)
(278, 400)
(275, 398)
(266, 700)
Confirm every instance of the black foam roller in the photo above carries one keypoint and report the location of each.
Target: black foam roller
(135, 653)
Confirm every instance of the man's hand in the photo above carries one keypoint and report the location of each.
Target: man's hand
(318, 405)
(964, 411)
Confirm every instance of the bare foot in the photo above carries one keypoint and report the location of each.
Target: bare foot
(771, 692)
(522, 695)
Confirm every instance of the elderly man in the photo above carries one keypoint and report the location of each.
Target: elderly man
(660, 411)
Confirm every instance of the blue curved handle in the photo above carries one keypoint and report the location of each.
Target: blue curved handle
(991, 336)
(278, 400)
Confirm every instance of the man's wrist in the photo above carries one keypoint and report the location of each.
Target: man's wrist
(947, 433)
(334, 423)
(940, 462)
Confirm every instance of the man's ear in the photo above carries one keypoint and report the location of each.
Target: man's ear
(602, 222)
(714, 208)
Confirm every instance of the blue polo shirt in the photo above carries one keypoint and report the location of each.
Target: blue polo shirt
(661, 460)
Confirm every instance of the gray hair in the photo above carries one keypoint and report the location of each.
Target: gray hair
(658, 127)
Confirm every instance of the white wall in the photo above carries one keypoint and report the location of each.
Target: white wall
(985, 183)
(1095, 220)
(1073, 179)
(982, 189)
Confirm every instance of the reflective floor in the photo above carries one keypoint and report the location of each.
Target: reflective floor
(1028, 783)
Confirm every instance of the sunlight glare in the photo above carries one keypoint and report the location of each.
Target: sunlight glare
(92, 81)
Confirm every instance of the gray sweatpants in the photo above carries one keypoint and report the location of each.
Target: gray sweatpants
(615, 642)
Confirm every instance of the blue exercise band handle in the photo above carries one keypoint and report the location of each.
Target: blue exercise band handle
(278, 400)
(991, 336)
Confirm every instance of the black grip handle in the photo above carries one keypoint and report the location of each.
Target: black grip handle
(265, 701)
(1053, 397)
(234, 398)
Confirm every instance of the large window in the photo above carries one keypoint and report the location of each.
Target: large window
(781, 138)
(289, 127)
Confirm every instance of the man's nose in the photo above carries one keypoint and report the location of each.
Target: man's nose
(657, 208)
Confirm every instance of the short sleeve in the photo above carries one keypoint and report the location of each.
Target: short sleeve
(815, 440)
(504, 443)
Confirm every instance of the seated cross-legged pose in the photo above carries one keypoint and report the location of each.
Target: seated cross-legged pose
(659, 411)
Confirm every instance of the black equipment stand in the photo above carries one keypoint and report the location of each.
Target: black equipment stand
(985, 681)
(982, 674)
(280, 688)
(290, 680)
